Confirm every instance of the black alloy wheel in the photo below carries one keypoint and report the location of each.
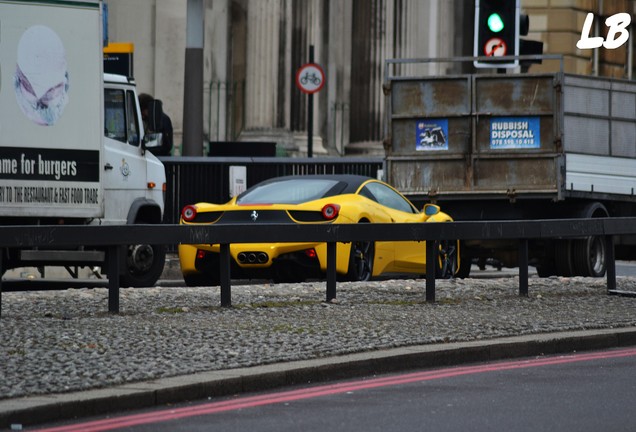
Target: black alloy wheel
(447, 262)
(361, 261)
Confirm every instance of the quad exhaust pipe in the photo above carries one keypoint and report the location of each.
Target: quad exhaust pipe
(253, 257)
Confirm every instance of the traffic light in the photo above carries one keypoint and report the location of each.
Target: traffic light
(496, 32)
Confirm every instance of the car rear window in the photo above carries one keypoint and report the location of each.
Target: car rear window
(292, 191)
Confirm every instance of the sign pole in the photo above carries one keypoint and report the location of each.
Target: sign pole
(310, 78)
(310, 113)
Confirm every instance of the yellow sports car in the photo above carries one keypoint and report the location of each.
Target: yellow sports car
(314, 199)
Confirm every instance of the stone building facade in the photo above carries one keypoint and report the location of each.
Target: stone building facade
(253, 48)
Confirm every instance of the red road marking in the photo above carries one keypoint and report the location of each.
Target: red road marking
(326, 390)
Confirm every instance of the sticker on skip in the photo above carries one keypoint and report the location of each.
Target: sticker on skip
(515, 132)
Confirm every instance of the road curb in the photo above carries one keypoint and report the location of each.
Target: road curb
(51, 408)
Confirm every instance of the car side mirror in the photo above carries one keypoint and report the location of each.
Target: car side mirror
(431, 209)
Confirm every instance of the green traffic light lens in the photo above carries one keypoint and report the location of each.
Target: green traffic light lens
(495, 23)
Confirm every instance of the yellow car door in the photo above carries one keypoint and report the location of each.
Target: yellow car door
(407, 256)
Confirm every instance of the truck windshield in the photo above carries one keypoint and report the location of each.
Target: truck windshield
(120, 121)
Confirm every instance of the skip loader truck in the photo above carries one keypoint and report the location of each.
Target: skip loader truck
(492, 146)
(72, 142)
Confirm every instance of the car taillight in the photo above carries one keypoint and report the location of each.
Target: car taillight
(330, 211)
(188, 213)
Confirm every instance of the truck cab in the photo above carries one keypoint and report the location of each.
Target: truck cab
(131, 172)
(134, 179)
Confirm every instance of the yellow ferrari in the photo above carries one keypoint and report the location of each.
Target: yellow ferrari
(314, 199)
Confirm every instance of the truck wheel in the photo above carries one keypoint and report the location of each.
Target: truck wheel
(545, 265)
(144, 265)
(545, 269)
(589, 256)
(465, 263)
(563, 257)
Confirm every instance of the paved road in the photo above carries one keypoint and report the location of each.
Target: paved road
(583, 392)
(623, 268)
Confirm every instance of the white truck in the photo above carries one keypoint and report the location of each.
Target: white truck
(491, 146)
(72, 143)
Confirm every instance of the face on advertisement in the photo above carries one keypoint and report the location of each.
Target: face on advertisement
(41, 76)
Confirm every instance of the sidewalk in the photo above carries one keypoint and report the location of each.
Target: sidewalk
(51, 408)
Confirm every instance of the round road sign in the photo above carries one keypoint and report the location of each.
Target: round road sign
(495, 47)
(310, 78)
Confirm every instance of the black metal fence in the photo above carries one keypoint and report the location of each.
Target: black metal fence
(113, 237)
(207, 179)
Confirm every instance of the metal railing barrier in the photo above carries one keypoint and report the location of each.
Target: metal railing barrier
(112, 238)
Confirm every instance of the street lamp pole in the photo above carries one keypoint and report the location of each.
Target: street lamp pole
(193, 82)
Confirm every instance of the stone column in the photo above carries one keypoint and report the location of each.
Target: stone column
(262, 63)
(216, 72)
(426, 31)
(267, 75)
(338, 71)
(370, 46)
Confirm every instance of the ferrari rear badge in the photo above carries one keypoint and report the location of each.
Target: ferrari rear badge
(254, 216)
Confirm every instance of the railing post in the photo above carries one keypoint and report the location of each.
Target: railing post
(113, 278)
(611, 263)
(226, 289)
(1, 273)
(331, 271)
(523, 267)
(431, 264)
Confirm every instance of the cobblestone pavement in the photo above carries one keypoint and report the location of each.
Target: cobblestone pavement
(62, 341)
